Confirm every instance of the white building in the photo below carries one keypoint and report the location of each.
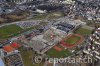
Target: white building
(41, 11)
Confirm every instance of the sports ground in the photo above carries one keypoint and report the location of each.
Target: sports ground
(72, 40)
(9, 30)
(83, 31)
(62, 49)
(58, 52)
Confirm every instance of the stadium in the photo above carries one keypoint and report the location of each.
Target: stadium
(72, 40)
(62, 49)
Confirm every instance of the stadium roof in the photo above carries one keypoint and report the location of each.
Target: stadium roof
(8, 48)
(1, 62)
(15, 45)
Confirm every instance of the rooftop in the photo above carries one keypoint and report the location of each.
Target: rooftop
(8, 48)
(15, 45)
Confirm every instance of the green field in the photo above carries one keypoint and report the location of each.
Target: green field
(72, 40)
(10, 30)
(58, 54)
(52, 15)
(27, 57)
(83, 31)
(55, 15)
(39, 17)
(13, 30)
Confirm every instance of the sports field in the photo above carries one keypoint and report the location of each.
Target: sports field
(83, 31)
(27, 57)
(72, 40)
(10, 30)
(55, 53)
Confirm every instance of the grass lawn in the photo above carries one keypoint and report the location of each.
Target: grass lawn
(58, 54)
(7, 31)
(72, 39)
(13, 30)
(39, 17)
(55, 15)
(51, 15)
(27, 57)
(83, 31)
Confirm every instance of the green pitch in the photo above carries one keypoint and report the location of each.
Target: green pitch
(72, 40)
(83, 31)
(9, 30)
(58, 54)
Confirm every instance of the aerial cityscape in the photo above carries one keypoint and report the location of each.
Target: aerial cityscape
(49, 32)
